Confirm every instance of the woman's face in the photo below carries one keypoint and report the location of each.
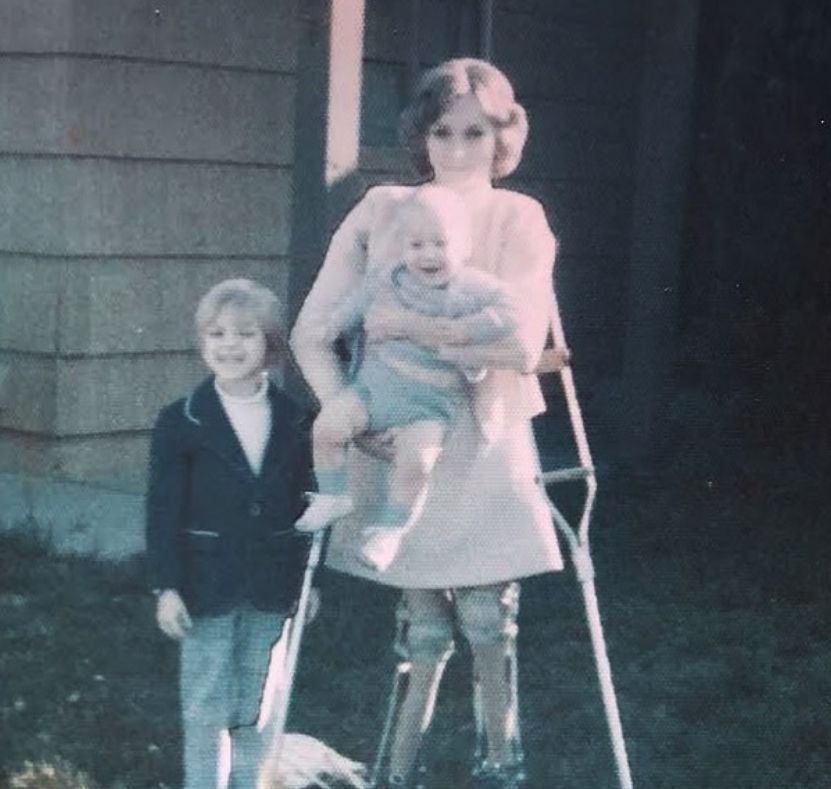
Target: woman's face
(461, 143)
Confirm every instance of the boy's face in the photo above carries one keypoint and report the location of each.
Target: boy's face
(433, 253)
(234, 348)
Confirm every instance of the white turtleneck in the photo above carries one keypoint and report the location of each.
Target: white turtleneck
(251, 419)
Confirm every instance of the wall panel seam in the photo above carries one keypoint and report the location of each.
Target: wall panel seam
(177, 160)
(54, 438)
(196, 258)
(561, 20)
(523, 178)
(571, 100)
(69, 356)
(139, 60)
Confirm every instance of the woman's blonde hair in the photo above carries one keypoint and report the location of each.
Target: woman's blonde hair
(253, 298)
(439, 87)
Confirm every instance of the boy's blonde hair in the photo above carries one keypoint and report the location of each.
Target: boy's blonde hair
(249, 296)
(439, 87)
(448, 209)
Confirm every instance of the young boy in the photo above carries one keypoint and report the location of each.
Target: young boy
(229, 467)
(399, 383)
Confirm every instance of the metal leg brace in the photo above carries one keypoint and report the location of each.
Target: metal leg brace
(480, 754)
(401, 686)
(398, 693)
(399, 690)
(578, 542)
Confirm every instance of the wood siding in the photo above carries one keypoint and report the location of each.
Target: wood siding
(148, 150)
(145, 153)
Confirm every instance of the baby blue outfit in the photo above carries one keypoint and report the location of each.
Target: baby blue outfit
(392, 398)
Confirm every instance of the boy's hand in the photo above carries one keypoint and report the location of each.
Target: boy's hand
(172, 615)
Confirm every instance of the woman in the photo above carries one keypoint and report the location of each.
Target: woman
(485, 522)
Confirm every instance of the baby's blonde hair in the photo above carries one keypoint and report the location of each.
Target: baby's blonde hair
(253, 298)
(449, 211)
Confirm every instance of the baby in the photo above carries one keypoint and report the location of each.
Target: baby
(397, 383)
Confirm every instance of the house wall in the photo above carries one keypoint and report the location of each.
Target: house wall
(145, 152)
(576, 69)
(147, 149)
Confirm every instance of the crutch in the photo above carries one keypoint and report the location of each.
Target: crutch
(516, 764)
(281, 699)
(578, 541)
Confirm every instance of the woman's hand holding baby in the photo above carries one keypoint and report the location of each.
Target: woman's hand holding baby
(383, 323)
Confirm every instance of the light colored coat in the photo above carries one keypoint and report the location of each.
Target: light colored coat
(485, 519)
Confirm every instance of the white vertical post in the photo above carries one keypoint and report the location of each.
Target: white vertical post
(346, 37)
(326, 130)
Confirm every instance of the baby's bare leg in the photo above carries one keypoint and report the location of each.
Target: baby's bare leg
(339, 421)
(417, 448)
(487, 616)
(427, 644)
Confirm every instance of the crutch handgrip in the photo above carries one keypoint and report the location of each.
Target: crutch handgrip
(553, 359)
(566, 474)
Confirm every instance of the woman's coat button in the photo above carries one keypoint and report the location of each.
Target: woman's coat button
(255, 510)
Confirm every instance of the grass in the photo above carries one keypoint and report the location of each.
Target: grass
(86, 681)
(713, 594)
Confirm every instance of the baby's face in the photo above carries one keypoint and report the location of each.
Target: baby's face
(432, 253)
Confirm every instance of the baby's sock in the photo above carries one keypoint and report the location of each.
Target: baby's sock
(331, 503)
(393, 514)
(332, 481)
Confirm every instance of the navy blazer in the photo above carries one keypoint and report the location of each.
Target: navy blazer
(216, 531)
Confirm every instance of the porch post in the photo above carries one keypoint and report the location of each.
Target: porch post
(327, 132)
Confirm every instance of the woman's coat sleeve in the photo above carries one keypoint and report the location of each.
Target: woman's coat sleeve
(342, 272)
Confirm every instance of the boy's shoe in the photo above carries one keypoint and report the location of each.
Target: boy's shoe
(497, 776)
(380, 547)
(323, 509)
